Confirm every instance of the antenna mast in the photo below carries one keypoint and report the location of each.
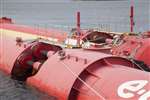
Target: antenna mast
(132, 17)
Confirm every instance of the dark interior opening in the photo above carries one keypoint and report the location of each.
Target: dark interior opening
(23, 66)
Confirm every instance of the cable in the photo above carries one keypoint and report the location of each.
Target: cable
(93, 90)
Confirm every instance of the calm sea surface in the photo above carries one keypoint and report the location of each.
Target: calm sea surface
(14, 90)
(60, 14)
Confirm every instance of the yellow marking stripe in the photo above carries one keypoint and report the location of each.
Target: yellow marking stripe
(23, 35)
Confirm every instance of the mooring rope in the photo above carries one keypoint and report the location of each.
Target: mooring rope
(133, 53)
(93, 90)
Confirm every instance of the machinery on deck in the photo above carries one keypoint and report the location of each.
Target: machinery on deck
(132, 46)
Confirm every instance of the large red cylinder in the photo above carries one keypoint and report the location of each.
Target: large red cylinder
(74, 73)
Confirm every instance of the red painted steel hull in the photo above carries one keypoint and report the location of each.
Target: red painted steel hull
(79, 75)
